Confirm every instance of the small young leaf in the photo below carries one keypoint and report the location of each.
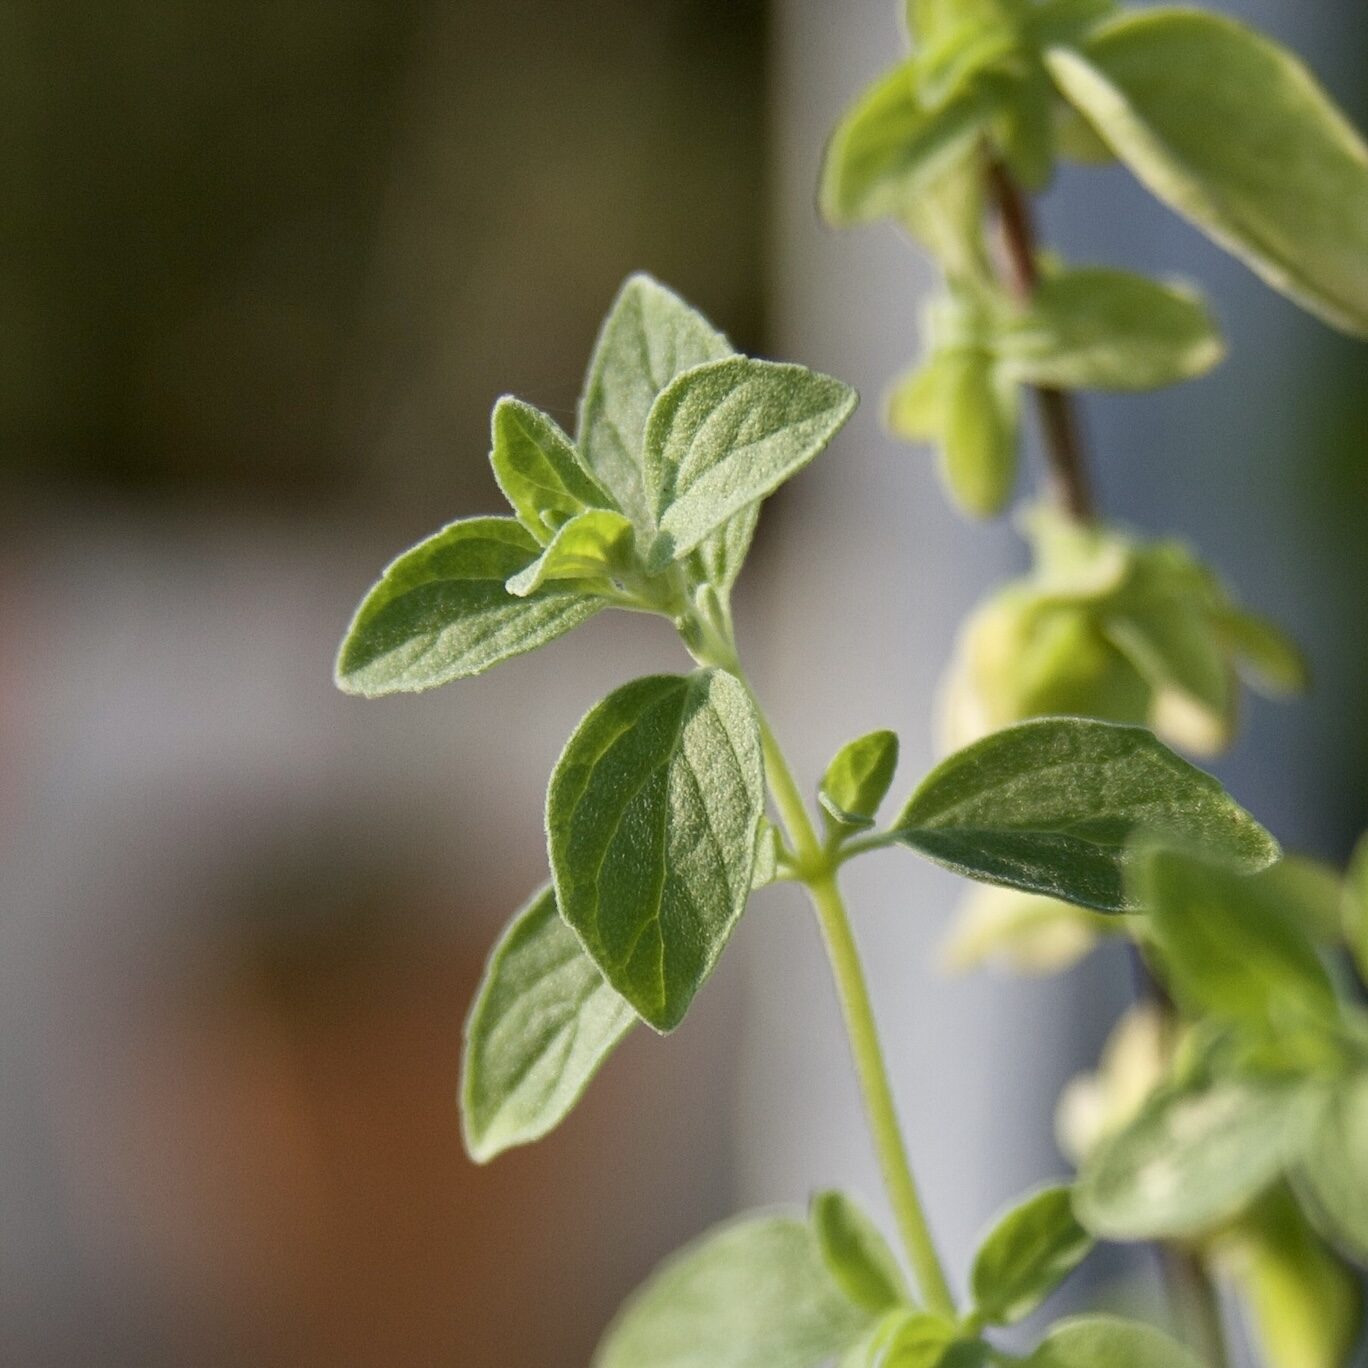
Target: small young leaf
(542, 1025)
(1232, 131)
(648, 338)
(724, 435)
(593, 545)
(1310, 893)
(751, 1294)
(1230, 950)
(1100, 329)
(1026, 1255)
(979, 442)
(652, 814)
(1356, 906)
(441, 612)
(537, 469)
(856, 1255)
(1107, 1342)
(888, 149)
(1192, 1158)
(768, 843)
(916, 405)
(1052, 806)
(857, 779)
(908, 1339)
(1266, 654)
(1332, 1169)
(717, 560)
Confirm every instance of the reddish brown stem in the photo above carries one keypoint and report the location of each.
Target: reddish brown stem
(1058, 420)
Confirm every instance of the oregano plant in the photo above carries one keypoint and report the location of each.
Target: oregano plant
(1229, 1117)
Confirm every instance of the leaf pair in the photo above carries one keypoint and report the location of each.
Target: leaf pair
(1082, 329)
(679, 441)
(1116, 628)
(1282, 1085)
(1221, 123)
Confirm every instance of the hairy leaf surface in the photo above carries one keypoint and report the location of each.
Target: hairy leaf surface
(441, 611)
(1053, 806)
(724, 435)
(752, 1294)
(653, 813)
(542, 1024)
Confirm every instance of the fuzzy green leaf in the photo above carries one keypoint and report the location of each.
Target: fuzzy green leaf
(724, 435)
(752, 1294)
(1100, 329)
(858, 778)
(542, 1025)
(441, 611)
(652, 813)
(1026, 1255)
(856, 1255)
(1233, 132)
(649, 337)
(537, 469)
(1052, 806)
(1230, 948)
(888, 149)
(1107, 1342)
(979, 440)
(1192, 1158)
(1265, 653)
(1332, 1171)
(593, 545)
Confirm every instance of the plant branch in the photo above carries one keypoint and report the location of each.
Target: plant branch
(861, 1028)
(1058, 417)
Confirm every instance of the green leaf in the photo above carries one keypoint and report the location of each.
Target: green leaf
(1332, 1169)
(908, 1339)
(594, 545)
(537, 469)
(768, 844)
(1101, 329)
(717, 560)
(652, 813)
(441, 612)
(916, 406)
(856, 1255)
(858, 778)
(752, 1294)
(1310, 893)
(1192, 1158)
(888, 149)
(1233, 132)
(979, 441)
(1306, 1306)
(1230, 949)
(542, 1025)
(724, 435)
(1107, 1342)
(1052, 806)
(1356, 906)
(1265, 653)
(1026, 1255)
(649, 337)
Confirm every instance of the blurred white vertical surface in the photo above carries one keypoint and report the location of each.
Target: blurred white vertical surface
(867, 574)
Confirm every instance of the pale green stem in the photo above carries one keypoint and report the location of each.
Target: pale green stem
(853, 991)
(815, 865)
